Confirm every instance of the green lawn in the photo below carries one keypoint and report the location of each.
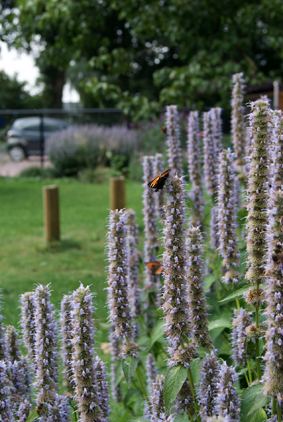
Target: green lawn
(25, 261)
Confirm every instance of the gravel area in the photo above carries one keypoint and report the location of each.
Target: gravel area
(10, 169)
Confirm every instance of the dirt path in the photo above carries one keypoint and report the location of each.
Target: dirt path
(10, 169)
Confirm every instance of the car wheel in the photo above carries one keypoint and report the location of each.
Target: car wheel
(17, 153)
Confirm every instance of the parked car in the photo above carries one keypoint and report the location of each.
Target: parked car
(23, 139)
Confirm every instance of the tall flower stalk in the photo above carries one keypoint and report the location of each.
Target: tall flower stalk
(176, 305)
(241, 321)
(28, 324)
(257, 204)
(5, 408)
(198, 313)
(209, 154)
(67, 340)
(227, 217)
(195, 172)
(159, 196)
(174, 152)
(83, 361)
(227, 401)
(46, 353)
(150, 221)
(208, 388)
(274, 238)
(238, 121)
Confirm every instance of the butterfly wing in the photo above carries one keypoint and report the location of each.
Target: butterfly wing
(153, 266)
(158, 181)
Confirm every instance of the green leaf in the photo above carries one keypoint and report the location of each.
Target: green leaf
(219, 323)
(32, 416)
(202, 352)
(182, 418)
(129, 366)
(248, 399)
(157, 332)
(174, 380)
(195, 370)
(118, 373)
(259, 402)
(235, 294)
(208, 281)
(259, 416)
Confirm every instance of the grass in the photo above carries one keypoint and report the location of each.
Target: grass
(26, 261)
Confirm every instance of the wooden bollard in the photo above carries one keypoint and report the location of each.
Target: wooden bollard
(117, 193)
(51, 213)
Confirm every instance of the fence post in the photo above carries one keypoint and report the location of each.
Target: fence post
(117, 193)
(51, 213)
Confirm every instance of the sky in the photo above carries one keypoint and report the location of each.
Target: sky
(23, 64)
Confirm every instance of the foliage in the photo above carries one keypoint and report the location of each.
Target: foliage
(90, 146)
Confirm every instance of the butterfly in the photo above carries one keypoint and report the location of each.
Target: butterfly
(155, 267)
(158, 181)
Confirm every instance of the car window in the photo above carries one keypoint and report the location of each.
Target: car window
(49, 127)
(33, 128)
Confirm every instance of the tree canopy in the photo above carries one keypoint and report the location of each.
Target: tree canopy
(144, 54)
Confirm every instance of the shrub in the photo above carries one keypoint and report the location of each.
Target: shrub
(89, 146)
(42, 173)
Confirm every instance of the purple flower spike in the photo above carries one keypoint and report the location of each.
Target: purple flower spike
(274, 266)
(159, 196)
(194, 157)
(173, 141)
(158, 403)
(257, 190)
(227, 401)
(67, 346)
(217, 131)
(12, 342)
(209, 378)
(227, 217)
(134, 291)
(5, 408)
(28, 324)
(24, 410)
(241, 321)
(102, 388)
(197, 302)
(118, 300)
(238, 122)
(210, 158)
(115, 352)
(46, 354)
(176, 305)
(83, 359)
(214, 235)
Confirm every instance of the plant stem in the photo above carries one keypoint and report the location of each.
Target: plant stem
(247, 379)
(142, 386)
(238, 303)
(273, 406)
(250, 371)
(194, 394)
(279, 416)
(257, 340)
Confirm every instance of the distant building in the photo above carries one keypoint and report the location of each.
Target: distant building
(272, 89)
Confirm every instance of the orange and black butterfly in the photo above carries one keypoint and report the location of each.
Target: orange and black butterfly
(158, 181)
(155, 267)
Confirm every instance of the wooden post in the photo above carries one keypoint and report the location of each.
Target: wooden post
(51, 213)
(117, 193)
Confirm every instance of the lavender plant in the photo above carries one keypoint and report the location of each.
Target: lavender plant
(208, 388)
(67, 340)
(46, 352)
(195, 172)
(28, 324)
(227, 401)
(274, 266)
(242, 320)
(227, 218)
(198, 312)
(115, 352)
(238, 122)
(102, 388)
(5, 408)
(83, 361)
(176, 306)
(173, 142)
(210, 157)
